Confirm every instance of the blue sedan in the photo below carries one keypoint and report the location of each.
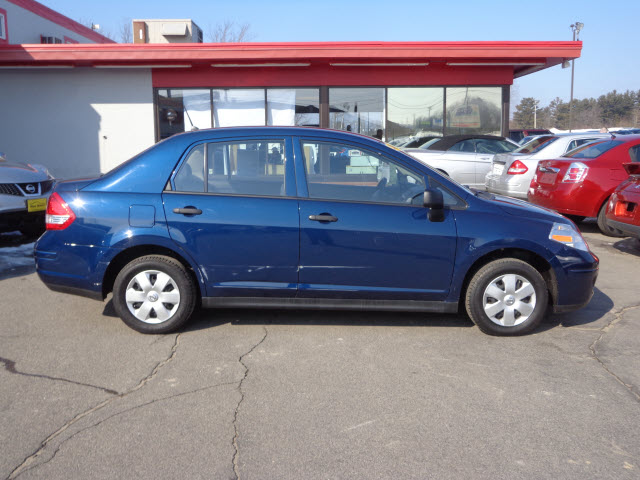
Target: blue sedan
(272, 217)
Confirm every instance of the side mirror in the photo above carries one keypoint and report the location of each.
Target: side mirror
(434, 201)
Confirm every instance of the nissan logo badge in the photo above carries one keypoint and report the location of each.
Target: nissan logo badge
(30, 188)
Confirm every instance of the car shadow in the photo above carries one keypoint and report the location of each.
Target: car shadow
(597, 308)
(589, 225)
(207, 318)
(629, 245)
(204, 319)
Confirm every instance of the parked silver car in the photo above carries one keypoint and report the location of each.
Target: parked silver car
(511, 173)
(465, 158)
(24, 190)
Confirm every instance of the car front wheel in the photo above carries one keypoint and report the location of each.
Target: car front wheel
(154, 294)
(507, 297)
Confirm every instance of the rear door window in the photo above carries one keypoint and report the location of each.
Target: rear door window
(247, 167)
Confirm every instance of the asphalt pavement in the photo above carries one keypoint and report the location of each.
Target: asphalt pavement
(254, 394)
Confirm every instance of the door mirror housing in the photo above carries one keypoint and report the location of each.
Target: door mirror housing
(434, 201)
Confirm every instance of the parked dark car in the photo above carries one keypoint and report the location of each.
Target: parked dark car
(210, 217)
(518, 134)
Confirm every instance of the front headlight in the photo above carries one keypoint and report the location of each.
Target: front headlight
(568, 235)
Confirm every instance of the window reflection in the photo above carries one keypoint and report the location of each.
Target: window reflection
(293, 107)
(183, 110)
(414, 114)
(358, 110)
(474, 110)
(238, 107)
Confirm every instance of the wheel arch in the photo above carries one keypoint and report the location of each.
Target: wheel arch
(532, 258)
(125, 256)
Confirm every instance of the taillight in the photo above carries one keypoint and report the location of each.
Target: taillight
(59, 214)
(517, 168)
(576, 173)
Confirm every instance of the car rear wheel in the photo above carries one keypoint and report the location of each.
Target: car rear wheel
(602, 223)
(507, 297)
(154, 294)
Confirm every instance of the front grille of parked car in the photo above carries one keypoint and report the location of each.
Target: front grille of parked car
(30, 188)
(10, 189)
(46, 186)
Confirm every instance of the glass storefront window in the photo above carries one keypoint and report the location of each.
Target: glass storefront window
(414, 113)
(358, 110)
(183, 110)
(474, 110)
(293, 107)
(238, 107)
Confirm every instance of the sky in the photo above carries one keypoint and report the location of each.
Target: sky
(609, 56)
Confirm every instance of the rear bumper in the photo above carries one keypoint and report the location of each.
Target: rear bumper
(568, 199)
(73, 269)
(516, 186)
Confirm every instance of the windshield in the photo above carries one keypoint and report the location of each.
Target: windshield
(494, 146)
(426, 145)
(536, 144)
(593, 150)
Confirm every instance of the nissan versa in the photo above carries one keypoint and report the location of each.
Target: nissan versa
(272, 217)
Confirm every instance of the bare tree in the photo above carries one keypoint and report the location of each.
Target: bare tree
(229, 32)
(125, 31)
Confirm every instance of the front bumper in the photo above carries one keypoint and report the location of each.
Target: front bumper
(626, 228)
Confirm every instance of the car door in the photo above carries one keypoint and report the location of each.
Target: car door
(232, 208)
(459, 162)
(364, 233)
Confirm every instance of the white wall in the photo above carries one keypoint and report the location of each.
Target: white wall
(76, 121)
(26, 27)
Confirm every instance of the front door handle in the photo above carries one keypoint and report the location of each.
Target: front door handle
(324, 217)
(188, 211)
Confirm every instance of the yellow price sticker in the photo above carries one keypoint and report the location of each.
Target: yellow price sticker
(37, 204)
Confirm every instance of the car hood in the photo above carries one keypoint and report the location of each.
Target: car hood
(520, 208)
(21, 173)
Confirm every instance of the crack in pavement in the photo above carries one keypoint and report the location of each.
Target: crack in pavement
(117, 414)
(604, 330)
(235, 414)
(43, 445)
(10, 366)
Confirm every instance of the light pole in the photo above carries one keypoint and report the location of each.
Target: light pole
(535, 113)
(575, 28)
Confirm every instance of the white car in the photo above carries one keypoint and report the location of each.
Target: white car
(24, 190)
(511, 173)
(465, 158)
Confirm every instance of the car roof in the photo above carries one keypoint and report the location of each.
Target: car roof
(450, 140)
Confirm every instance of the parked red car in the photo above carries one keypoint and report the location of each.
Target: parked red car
(623, 210)
(580, 183)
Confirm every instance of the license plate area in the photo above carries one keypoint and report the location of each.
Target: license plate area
(548, 178)
(498, 168)
(36, 204)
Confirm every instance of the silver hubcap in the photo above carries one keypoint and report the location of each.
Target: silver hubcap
(152, 296)
(509, 300)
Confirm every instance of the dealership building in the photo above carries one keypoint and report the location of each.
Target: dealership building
(84, 108)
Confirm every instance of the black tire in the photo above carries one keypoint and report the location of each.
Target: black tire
(151, 267)
(604, 227)
(575, 218)
(514, 270)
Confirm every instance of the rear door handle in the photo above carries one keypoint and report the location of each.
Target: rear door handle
(324, 217)
(188, 211)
